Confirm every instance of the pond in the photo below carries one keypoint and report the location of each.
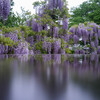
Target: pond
(50, 77)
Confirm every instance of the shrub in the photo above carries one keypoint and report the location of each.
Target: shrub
(7, 41)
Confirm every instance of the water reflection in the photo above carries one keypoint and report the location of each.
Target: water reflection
(49, 77)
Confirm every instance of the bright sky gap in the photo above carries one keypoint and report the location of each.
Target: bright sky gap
(27, 4)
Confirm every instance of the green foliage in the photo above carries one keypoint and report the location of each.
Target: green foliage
(49, 39)
(1, 24)
(7, 41)
(69, 33)
(12, 18)
(23, 17)
(56, 13)
(29, 47)
(39, 46)
(61, 31)
(87, 11)
(37, 4)
(9, 29)
(63, 44)
(68, 51)
(45, 19)
(15, 20)
(27, 31)
(19, 35)
(71, 41)
(90, 29)
(43, 32)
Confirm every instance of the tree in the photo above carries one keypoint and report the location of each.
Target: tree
(23, 17)
(87, 11)
(54, 8)
(14, 20)
(10, 18)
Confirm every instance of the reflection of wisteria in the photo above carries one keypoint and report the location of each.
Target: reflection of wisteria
(53, 70)
(46, 58)
(80, 63)
(83, 64)
(52, 74)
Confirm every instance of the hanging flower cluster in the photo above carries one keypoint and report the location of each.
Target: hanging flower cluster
(4, 8)
(86, 36)
(56, 4)
(65, 24)
(50, 46)
(81, 39)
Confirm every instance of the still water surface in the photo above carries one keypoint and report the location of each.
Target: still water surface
(50, 77)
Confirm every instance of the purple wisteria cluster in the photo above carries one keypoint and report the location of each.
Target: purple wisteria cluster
(53, 30)
(12, 36)
(19, 46)
(53, 46)
(47, 47)
(56, 46)
(56, 4)
(36, 26)
(82, 39)
(4, 8)
(79, 39)
(86, 38)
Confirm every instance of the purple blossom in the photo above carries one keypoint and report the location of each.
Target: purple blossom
(38, 37)
(94, 27)
(29, 22)
(72, 30)
(92, 45)
(96, 36)
(51, 4)
(45, 27)
(56, 46)
(82, 52)
(99, 33)
(85, 36)
(65, 24)
(60, 4)
(1, 8)
(76, 39)
(55, 4)
(36, 26)
(6, 8)
(39, 27)
(76, 51)
(78, 32)
(62, 51)
(49, 47)
(98, 51)
(96, 42)
(55, 32)
(45, 46)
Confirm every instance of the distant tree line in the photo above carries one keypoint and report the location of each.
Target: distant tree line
(87, 11)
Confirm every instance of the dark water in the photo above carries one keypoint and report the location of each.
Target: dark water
(50, 77)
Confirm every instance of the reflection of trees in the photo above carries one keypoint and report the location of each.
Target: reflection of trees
(8, 64)
(51, 73)
(52, 69)
(85, 71)
(5, 76)
(89, 64)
